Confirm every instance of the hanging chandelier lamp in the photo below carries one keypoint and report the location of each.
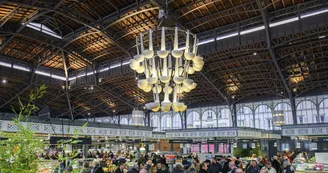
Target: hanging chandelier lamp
(167, 71)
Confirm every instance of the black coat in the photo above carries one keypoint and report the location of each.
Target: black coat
(118, 170)
(202, 171)
(212, 169)
(218, 166)
(289, 169)
(252, 169)
(233, 170)
(277, 166)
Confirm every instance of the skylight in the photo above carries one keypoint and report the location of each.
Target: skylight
(42, 28)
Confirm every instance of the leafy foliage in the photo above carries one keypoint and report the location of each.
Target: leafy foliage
(18, 152)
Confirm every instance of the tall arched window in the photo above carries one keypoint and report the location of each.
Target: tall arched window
(287, 112)
(306, 113)
(263, 117)
(245, 117)
(323, 111)
(166, 122)
(124, 121)
(177, 121)
(193, 120)
(225, 119)
(155, 123)
(209, 119)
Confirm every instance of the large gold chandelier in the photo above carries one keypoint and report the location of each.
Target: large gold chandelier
(167, 71)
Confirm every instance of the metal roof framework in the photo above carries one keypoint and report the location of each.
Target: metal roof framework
(97, 37)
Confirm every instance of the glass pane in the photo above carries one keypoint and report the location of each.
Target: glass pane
(204, 148)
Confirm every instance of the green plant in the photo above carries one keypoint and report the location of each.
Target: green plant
(18, 152)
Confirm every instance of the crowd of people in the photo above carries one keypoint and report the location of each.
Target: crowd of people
(103, 163)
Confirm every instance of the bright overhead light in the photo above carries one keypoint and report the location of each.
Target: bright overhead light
(205, 42)
(58, 77)
(254, 53)
(283, 22)
(323, 36)
(227, 36)
(91, 73)
(42, 73)
(80, 75)
(18, 67)
(252, 30)
(114, 65)
(104, 69)
(314, 13)
(126, 62)
(71, 78)
(4, 81)
(5, 64)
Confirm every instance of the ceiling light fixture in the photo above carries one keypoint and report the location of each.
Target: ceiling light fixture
(22, 68)
(255, 53)
(283, 22)
(4, 81)
(227, 36)
(5, 64)
(167, 71)
(321, 37)
(252, 30)
(314, 13)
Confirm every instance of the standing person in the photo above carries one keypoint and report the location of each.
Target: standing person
(269, 168)
(161, 168)
(210, 168)
(260, 162)
(226, 168)
(149, 164)
(217, 165)
(276, 164)
(253, 167)
(178, 169)
(287, 167)
(203, 168)
(120, 168)
(238, 162)
(197, 164)
(232, 167)
(239, 170)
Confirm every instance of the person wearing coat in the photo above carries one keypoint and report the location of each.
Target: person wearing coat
(287, 167)
(269, 167)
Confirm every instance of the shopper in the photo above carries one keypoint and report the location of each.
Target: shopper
(197, 164)
(239, 170)
(216, 165)
(203, 168)
(238, 162)
(153, 169)
(269, 167)
(120, 168)
(96, 168)
(260, 162)
(86, 168)
(253, 167)
(149, 164)
(226, 168)
(210, 168)
(287, 167)
(178, 169)
(276, 164)
(161, 168)
(232, 167)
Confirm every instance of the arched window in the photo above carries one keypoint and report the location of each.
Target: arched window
(306, 113)
(323, 111)
(263, 117)
(124, 121)
(287, 112)
(193, 120)
(155, 123)
(166, 122)
(99, 120)
(225, 119)
(209, 119)
(177, 121)
(245, 117)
